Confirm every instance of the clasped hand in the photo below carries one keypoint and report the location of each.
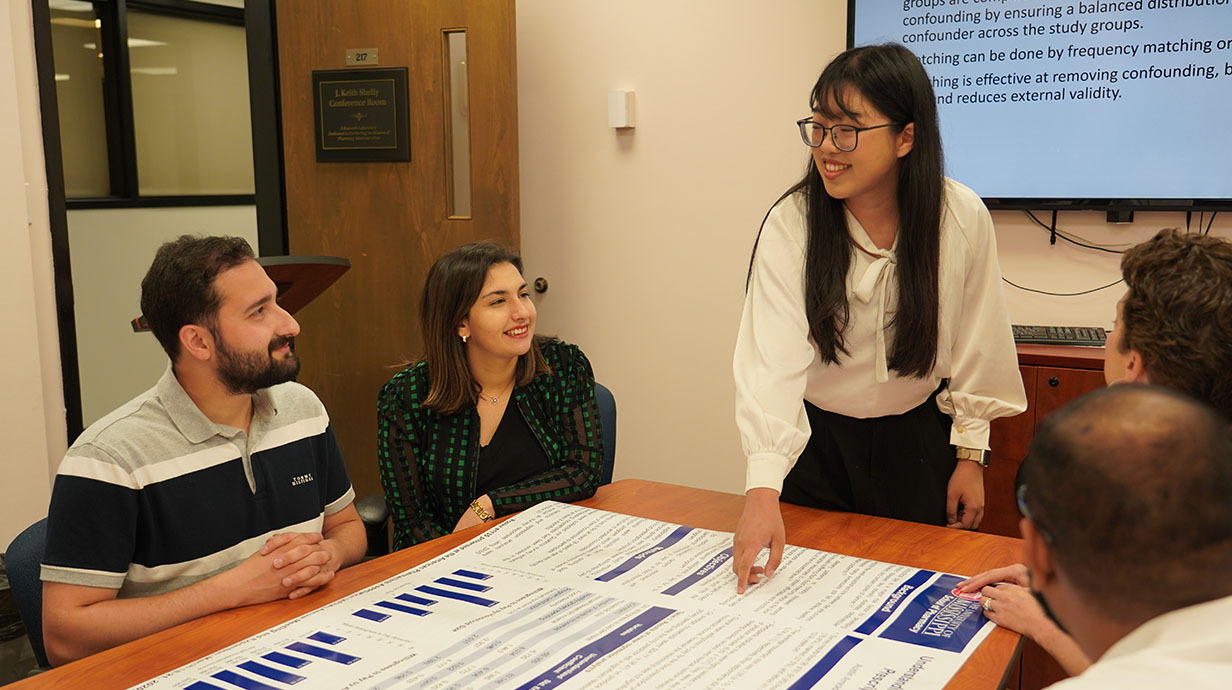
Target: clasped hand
(288, 564)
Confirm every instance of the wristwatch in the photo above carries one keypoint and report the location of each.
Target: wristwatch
(972, 454)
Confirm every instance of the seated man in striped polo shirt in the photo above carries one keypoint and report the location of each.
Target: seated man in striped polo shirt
(221, 486)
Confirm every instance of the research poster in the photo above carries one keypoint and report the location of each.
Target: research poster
(562, 596)
(1074, 99)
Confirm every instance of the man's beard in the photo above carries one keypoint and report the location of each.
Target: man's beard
(245, 373)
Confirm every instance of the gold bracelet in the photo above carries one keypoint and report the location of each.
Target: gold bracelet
(478, 510)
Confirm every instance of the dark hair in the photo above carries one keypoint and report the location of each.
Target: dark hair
(1132, 485)
(891, 79)
(454, 283)
(1178, 313)
(179, 287)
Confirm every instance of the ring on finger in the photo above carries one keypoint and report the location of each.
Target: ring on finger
(987, 604)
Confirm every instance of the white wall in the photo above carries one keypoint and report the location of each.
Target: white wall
(645, 235)
(31, 397)
(1028, 260)
(111, 249)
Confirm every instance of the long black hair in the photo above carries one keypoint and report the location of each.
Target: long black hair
(891, 79)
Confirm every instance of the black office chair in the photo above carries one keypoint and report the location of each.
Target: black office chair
(375, 514)
(23, 560)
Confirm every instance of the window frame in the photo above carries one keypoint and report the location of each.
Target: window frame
(118, 105)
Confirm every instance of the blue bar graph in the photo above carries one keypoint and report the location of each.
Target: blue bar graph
(371, 615)
(403, 608)
(242, 681)
(202, 685)
(447, 594)
(322, 653)
(271, 673)
(416, 600)
(286, 659)
(472, 586)
(325, 637)
(472, 574)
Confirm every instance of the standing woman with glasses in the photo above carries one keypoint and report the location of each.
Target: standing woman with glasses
(875, 347)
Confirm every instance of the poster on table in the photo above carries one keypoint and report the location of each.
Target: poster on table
(562, 596)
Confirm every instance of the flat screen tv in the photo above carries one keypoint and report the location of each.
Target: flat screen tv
(1074, 105)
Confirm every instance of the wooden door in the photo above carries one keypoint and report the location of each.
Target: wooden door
(391, 219)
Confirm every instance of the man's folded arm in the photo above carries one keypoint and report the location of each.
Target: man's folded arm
(79, 620)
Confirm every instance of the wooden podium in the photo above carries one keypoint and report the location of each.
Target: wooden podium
(300, 279)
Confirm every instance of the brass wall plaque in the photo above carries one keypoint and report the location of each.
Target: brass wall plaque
(362, 57)
(361, 115)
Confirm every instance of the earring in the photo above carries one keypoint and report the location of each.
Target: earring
(464, 339)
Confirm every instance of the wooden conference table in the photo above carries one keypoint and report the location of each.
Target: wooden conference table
(921, 546)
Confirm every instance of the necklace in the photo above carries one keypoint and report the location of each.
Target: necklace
(494, 399)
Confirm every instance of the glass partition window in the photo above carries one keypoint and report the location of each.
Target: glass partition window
(190, 106)
(77, 46)
(153, 101)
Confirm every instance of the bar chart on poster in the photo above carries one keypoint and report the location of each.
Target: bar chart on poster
(566, 594)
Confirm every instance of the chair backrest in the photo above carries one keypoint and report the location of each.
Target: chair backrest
(607, 420)
(374, 513)
(23, 560)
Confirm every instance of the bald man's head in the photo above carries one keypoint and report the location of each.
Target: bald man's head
(1132, 488)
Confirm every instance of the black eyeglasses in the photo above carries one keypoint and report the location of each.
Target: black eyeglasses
(845, 137)
(1023, 508)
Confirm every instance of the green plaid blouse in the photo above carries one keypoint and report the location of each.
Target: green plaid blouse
(429, 461)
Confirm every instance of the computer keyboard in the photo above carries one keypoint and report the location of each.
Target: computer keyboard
(1089, 336)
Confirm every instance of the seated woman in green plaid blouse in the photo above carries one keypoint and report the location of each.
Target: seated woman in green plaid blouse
(493, 419)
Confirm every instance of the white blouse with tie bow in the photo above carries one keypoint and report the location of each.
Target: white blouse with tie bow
(777, 366)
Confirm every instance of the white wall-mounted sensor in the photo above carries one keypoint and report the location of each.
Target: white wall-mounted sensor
(620, 109)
